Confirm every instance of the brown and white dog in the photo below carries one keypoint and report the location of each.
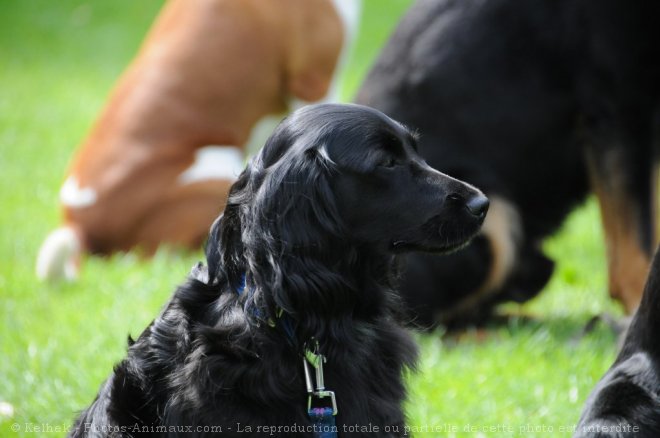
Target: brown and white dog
(211, 77)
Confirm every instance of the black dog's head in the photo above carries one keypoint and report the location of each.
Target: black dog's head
(385, 193)
(334, 182)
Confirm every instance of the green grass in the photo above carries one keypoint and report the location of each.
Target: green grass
(58, 342)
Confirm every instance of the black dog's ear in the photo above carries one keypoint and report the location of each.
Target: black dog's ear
(224, 247)
(231, 245)
(302, 206)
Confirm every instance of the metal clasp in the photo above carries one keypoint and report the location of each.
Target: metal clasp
(318, 392)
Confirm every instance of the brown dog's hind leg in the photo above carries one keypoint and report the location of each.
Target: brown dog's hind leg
(184, 216)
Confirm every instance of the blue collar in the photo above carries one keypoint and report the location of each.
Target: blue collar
(286, 322)
(241, 287)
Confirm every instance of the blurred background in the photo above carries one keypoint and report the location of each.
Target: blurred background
(58, 62)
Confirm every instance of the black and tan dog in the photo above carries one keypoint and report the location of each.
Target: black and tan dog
(538, 103)
(626, 401)
(300, 267)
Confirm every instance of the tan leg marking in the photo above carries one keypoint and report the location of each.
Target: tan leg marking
(655, 180)
(503, 229)
(628, 263)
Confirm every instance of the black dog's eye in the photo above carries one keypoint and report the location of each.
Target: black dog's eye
(389, 162)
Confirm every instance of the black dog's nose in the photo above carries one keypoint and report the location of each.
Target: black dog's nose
(478, 205)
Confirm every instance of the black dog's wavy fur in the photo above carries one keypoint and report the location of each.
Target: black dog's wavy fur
(217, 357)
(626, 400)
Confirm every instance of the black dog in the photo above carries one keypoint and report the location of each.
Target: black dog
(301, 264)
(537, 103)
(626, 401)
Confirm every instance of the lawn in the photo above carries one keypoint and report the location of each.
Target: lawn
(58, 342)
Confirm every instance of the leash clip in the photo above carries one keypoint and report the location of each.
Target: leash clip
(317, 392)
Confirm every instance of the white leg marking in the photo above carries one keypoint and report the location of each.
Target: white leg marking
(59, 255)
(214, 162)
(74, 196)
